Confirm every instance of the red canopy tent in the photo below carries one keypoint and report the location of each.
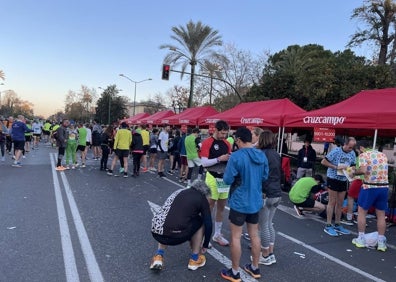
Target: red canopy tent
(133, 120)
(361, 114)
(157, 118)
(268, 113)
(190, 116)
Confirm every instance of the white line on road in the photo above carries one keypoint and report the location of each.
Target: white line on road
(329, 257)
(92, 265)
(67, 247)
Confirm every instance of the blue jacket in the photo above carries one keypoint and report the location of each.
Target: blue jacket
(18, 131)
(246, 170)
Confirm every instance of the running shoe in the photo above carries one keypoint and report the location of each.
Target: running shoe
(60, 168)
(219, 239)
(110, 172)
(359, 242)
(329, 229)
(381, 245)
(171, 172)
(73, 167)
(157, 262)
(161, 174)
(195, 264)
(228, 275)
(67, 167)
(17, 164)
(347, 221)
(83, 165)
(125, 175)
(298, 211)
(254, 273)
(121, 169)
(144, 169)
(341, 230)
(270, 259)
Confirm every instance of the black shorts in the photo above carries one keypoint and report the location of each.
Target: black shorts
(36, 134)
(239, 219)
(337, 185)
(146, 148)
(19, 145)
(153, 151)
(196, 223)
(122, 153)
(308, 203)
(28, 138)
(80, 148)
(46, 132)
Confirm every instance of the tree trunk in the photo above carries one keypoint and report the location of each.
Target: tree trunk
(190, 97)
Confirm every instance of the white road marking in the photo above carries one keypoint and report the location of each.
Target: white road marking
(67, 247)
(92, 265)
(329, 257)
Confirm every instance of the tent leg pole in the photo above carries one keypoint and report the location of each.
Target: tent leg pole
(375, 138)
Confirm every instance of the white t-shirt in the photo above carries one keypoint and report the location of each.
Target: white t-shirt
(36, 127)
(89, 135)
(164, 137)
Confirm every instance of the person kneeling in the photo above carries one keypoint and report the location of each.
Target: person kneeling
(302, 195)
(185, 216)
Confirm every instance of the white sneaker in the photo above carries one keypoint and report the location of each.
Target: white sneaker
(3, 159)
(219, 239)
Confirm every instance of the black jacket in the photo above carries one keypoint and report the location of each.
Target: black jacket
(310, 154)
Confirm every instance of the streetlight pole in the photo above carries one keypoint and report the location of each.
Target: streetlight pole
(134, 96)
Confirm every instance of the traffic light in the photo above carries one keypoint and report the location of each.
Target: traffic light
(165, 72)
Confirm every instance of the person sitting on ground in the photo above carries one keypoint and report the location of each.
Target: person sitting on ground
(302, 195)
(185, 216)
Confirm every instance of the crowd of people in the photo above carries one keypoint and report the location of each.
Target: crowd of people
(242, 169)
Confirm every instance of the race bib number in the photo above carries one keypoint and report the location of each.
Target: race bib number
(221, 186)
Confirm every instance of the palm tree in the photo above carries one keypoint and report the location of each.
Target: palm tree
(195, 44)
(2, 75)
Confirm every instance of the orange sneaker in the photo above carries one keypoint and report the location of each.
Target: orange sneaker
(60, 168)
(195, 264)
(157, 263)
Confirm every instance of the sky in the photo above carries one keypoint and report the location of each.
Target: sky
(48, 47)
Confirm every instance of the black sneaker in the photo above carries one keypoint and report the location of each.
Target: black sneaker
(125, 175)
(170, 172)
(109, 172)
(228, 275)
(254, 273)
(161, 174)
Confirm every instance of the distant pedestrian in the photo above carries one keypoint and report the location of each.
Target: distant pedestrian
(193, 159)
(137, 150)
(306, 160)
(153, 148)
(71, 146)
(163, 140)
(18, 131)
(96, 134)
(82, 142)
(106, 145)
(122, 143)
(61, 137)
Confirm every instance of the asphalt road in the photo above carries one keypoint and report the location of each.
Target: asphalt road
(83, 225)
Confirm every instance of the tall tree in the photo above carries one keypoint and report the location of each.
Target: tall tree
(2, 75)
(110, 106)
(379, 17)
(194, 45)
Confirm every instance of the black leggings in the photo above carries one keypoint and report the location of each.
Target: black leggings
(105, 156)
(136, 161)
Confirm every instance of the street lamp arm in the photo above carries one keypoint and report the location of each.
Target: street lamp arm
(225, 81)
(135, 82)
